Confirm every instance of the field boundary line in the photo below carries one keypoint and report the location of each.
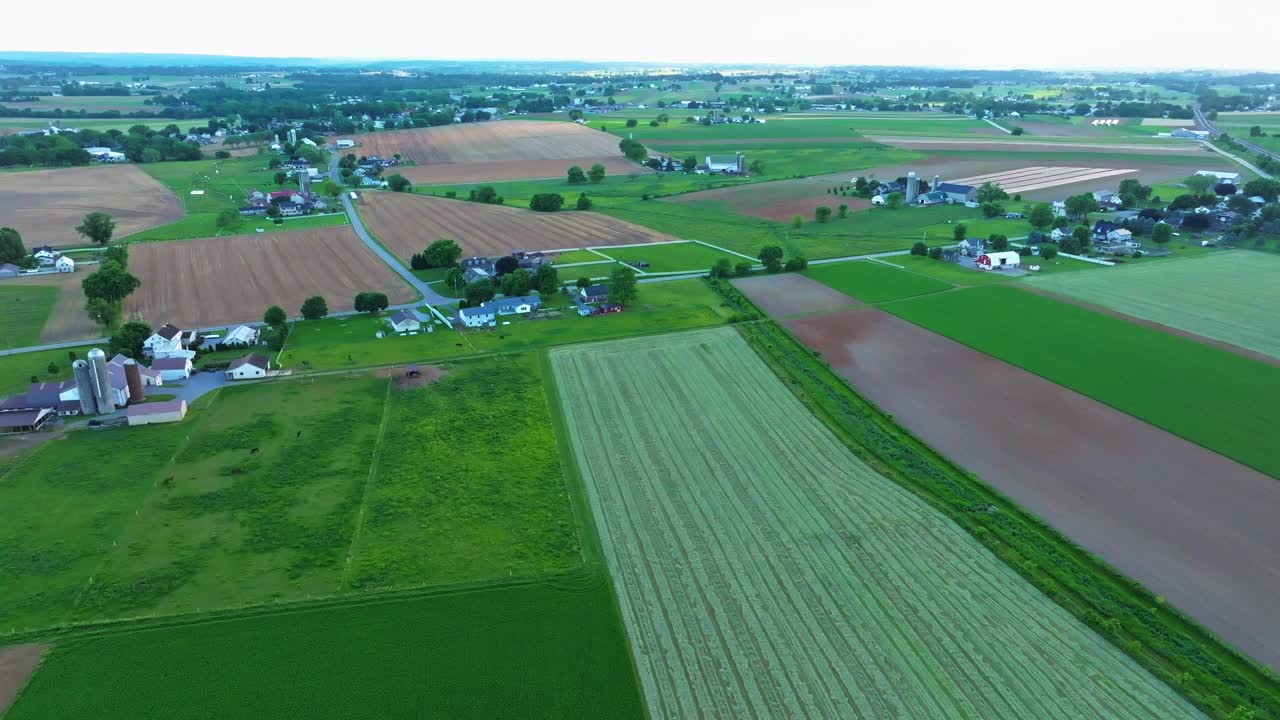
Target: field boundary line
(368, 484)
(882, 262)
(724, 250)
(1001, 128)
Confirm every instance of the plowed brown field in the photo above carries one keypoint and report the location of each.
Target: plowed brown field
(68, 320)
(406, 224)
(46, 205)
(194, 283)
(504, 150)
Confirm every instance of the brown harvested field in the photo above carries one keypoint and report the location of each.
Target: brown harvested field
(793, 294)
(16, 665)
(503, 150)
(774, 200)
(68, 321)
(407, 223)
(1039, 177)
(925, 143)
(696, 142)
(1190, 525)
(46, 205)
(194, 283)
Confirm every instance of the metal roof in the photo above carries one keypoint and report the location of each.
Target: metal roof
(155, 408)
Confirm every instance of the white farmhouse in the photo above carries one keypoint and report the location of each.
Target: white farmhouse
(249, 367)
(65, 264)
(404, 321)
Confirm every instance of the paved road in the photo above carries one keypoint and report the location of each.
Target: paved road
(1203, 121)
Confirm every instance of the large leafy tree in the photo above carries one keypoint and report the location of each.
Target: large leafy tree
(596, 173)
(1041, 216)
(442, 253)
(771, 257)
(546, 279)
(989, 192)
(622, 286)
(1079, 206)
(98, 227)
(576, 175)
(111, 283)
(371, 302)
(517, 283)
(11, 248)
(314, 308)
(128, 339)
(274, 316)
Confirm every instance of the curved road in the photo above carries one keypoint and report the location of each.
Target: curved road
(1203, 121)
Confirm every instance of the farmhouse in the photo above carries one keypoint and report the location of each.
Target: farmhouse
(168, 341)
(1102, 228)
(998, 260)
(1231, 178)
(157, 412)
(972, 247)
(249, 367)
(404, 321)
(1060, 234)
(46, 255)
(172, 368)
(477, 268)
(514, 305)
(957, 193)
(736, 164)
(1120, 235)
(288, 208)
(478, 316)
(65, 264)
(594, 293)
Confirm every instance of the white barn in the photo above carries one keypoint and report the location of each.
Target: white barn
(249, 367)
(157, 412)
(998, 260)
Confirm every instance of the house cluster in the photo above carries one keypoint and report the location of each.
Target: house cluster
(105, 155)
(46, 260)
(369, 169)
(486, 314)
(594, 300)
(921, 193)
(735, 164)
(289, 202)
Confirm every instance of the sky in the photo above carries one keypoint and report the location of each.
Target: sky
(1048, 34)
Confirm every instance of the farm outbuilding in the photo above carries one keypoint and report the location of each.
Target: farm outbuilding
(157, 412)
(21, 421)
(249, 367)
(998, 260)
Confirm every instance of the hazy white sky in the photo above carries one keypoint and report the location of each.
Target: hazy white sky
(1091, 34)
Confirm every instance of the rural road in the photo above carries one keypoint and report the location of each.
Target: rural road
(1203, 121)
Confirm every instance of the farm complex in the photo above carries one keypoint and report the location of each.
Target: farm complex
(470, 389)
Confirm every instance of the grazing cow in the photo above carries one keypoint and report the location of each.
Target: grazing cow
(295, 437)
(254, 451)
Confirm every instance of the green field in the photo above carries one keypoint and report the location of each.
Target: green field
(1209, 396)
(101, 125)
(1230, 297)
(17, 371)
(790, 565)
(874, 282)
(670, 257)
(549, 650)
(348, 342)
(832, 128)
(23, 312)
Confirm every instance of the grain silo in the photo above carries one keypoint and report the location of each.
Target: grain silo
(913, 187)
(101, 381)
(84, 386)
(937, 180)
(133, 379)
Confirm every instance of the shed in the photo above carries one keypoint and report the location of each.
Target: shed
(20, 421)
(998, 260)
(9, 270)
(157, 412)
(249, 367)
(172, 368)
(404, 321)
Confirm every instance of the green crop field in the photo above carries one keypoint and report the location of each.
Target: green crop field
(23, 312)
(348, 342)
(873, 282)
(17, 371)
(549, 650)
(747, 542)
(670, 257)
(832, 128)
(1230, 297)
(101, 125)
(1207, 395)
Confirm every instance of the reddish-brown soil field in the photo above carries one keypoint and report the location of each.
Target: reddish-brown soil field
(793, 294)
(502, 150)
(46, 205)
(837, 140)
(16, 665)
(1191, 525)
(406, 224)
(68, 321)
(925, 143)
(777, 201)
(195, 283)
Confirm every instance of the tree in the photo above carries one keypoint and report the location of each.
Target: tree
(371, 302)
(97, 226)
(999, 243)
(281, 178)
(517, 283)
(989, 192)
(1161, 233)
(631, 122)
(1015, 130)
(118, 254)
(442, 253)
(689, 164)
(480, 291)
(1070, 246)
(935, 253)
(894, 200)
(111, 283)
(128, 339)
(11, 248)
(822, 213)
(1268, 190)
(843, 210)
(505, 264)
(797, 221)
(596, 173)
(546, 279)
(1041, 216)
(546, 202)
(310, 153)
(1048, 252)
(722, 268)
(920, 249)
(398, 183)
(634, 151)
(1081, 235)
(151, 155)
(991, 210)
(771, 257)
(1200, 184)
(583, 283)
(584, 202)
(795, 263)
(959, 232)
(102, 312)
(576, 176)
(756, 167)
(228, 220)
(622, 286)
(274, 316)
(455, 279)
(1132, 187)
(1240, 204)
(1079, 206)
(314, 308)
(1196, 222)
(742, 269)
(418, 261)
(485, 194)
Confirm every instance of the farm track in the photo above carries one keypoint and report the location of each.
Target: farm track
(763, 571)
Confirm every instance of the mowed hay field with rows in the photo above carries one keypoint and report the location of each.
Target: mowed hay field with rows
(233, 279)
(406, 224)
(507, 150)
(1230, 297)
(764, 570)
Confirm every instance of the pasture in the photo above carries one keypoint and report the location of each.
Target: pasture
(824, 129)
(24, 310)
(670, 257)
(234, 279)
(863, 600)
(873, 282)
(66, 319)
(1229, 297)
(507, 150)
(406, 224)
(548, 649)
(47, 205)
(17, 371)
(1204, 394)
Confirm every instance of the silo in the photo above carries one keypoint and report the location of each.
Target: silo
(101, 381)
(937, 180)
(913, 187)
(84, 386)
(133, 378)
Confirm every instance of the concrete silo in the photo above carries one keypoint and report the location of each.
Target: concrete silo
(133, 379)
(937, 180)
(913, 187)
(84, 386)
(101, 381)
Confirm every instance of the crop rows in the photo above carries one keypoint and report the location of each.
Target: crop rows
(763, 570)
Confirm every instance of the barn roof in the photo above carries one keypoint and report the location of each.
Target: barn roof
(155, 408)
(257, 360)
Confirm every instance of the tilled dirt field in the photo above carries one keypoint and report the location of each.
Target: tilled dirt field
(793, 294)
(194, 283)
(1191, 525)
(47, 205)
(68, 321)
(926, 143)
(16, 665)
(505, 150)
(407, 224)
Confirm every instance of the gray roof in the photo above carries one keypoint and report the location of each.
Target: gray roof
(22, 418)
(257, 360)
(476, 311)
(598, 289)
(953, 188)
(169, 364)
(155, 408)
(403, 315)
(512, 302)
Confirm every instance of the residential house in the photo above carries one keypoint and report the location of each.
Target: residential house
(404, 321)
(594, 294)
(288, 208)
(1102, 228)
(166, 339)
(1060, 234)
(1120, 235)
(529, 260)
(957, 193)
(65, 264)
(249, 367)
(972, 247)
(1059, 208)
(520, 305)
(45, 255)
(156, 412)
(890, 187)
(477, 268)
(172, 368)
(478, 316)
(286, 196)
